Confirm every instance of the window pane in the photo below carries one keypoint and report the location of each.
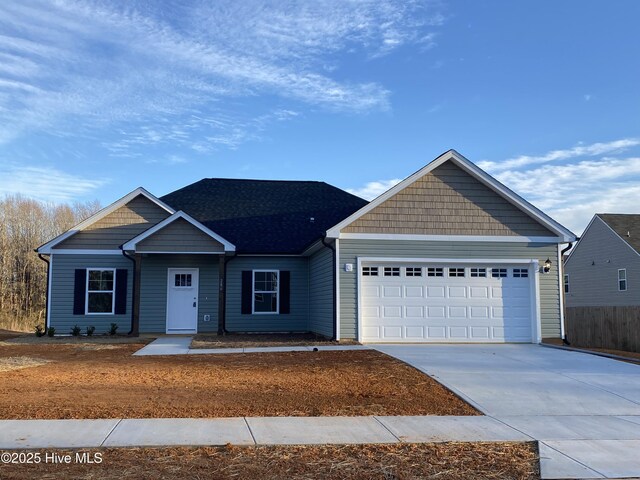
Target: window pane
(266, 282)
(391, 271)
(370, 271)
(266, 302)
(101, 280)
(435, 272)
(479, 272)
(100, 302)
(456, 272)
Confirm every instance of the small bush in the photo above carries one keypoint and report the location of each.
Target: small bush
(113, 329)
(75, 331)
(39, 331)
(51, 331)
(90, 330)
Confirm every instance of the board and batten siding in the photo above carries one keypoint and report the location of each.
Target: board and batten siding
(447, 201)
(350, 250)
(593, 270)
(153, 290)
(321, 295)
(295, 321)
(62, 293)
(118, 227)
(179, 236)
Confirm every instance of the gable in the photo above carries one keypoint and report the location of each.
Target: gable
(114, 229)
(448, 201)
(179, 236)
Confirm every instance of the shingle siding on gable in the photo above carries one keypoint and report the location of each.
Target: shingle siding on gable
(116, 228)
(448, 201)
(179, 236)
(593, 270)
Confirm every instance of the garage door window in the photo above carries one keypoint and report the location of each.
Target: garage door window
(435, 272)
(479, 272)
(456, 272)
(391, 271)
(369, 271)
(498, 272)
(413, 272)
(520, 273)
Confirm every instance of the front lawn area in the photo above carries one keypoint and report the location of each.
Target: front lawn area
(105, 381)
(444, 461)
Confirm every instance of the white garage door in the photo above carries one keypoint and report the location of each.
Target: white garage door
(445, 303)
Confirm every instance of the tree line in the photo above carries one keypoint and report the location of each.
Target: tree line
(25, 224)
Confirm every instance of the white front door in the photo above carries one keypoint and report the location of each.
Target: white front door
(182, 300)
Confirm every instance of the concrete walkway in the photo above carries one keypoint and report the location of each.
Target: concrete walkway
(181, 345)
(583, 409)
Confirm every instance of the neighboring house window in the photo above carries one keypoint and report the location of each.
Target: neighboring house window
(265, 291)
(435, 272)
(100, 291)
(456, 272)
(566, 283)
(520, 272)
(498, 272)
(370, 271)
(622, 279)
(479, 272)
(413, 271)
(391, 271)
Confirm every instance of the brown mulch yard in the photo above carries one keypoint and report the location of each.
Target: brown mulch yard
(105, 381)
(263, 340)
(445, 461)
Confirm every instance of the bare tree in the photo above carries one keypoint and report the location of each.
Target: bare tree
(26, 224)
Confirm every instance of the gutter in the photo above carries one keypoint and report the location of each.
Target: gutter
(46, 298)
(133, 294)
(335, 285)
(565, 341)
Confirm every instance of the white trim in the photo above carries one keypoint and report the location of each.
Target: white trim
(533, 267)
(626, 282)
(561, 286)
(180, 253)
(476, 172)
(46, 248)
(49, 292)
(131, 244)
(337, 291)
(178, 331)
(269, 255)
(449, 238)
(80, 251)
(113, 291)
(253, 291)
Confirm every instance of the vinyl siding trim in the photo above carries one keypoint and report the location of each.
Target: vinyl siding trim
(337, 293)
(448, 238)
(82, 251)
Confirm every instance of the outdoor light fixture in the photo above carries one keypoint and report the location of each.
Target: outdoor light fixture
(547, 266)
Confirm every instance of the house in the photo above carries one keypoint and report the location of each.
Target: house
(447, 255)
(602, 284)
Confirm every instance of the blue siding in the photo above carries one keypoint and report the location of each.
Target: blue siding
(62, 283)
(321, 293)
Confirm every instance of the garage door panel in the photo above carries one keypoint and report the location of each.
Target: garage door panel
(461, 308)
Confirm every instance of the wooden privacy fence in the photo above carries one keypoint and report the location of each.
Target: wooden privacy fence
(616, 328)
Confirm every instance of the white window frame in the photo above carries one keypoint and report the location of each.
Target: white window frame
(456, 271)
(478, 272)
(87, 292)
(520, 273)
(413, 272)
(254, 291)
(565, 287)
(626, 282)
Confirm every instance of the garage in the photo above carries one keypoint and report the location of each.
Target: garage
(446, 302)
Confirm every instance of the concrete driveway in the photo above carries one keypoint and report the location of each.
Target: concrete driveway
(584, 409)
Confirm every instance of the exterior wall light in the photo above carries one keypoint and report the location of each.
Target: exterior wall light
(547, 266)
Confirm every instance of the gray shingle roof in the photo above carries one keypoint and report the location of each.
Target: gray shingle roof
(265, 216)
(625, 225)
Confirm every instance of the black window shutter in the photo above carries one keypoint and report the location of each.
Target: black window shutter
(121, 291)
(247, 291)
(79, 291)
(285, 291)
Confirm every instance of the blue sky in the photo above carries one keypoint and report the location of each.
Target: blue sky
(99, 97)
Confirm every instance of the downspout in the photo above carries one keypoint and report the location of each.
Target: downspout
(46, 298)
(222, 322)
(133, 290)
(562, 252)
(335, 285)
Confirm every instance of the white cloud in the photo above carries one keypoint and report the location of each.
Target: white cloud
(592, 150)
(374, 189)
(47, 184)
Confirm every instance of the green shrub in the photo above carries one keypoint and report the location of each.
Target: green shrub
(51, 331)
(90, 330)
(75, 331)
(113, 329)
(39, 331)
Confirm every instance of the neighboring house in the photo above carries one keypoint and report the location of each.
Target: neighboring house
(447, 255)
(602, 284)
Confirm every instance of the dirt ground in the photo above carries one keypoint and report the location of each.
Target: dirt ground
(445, 461)
(105, 381)
(621, 353)
(12, 338)
(263, 340)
